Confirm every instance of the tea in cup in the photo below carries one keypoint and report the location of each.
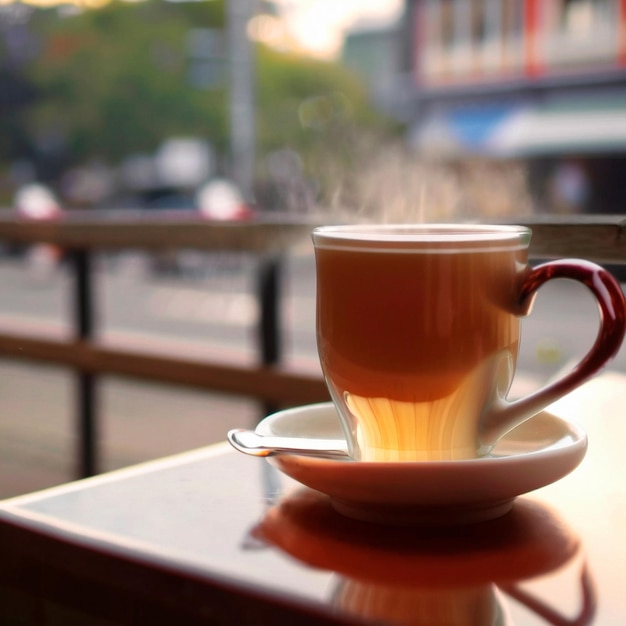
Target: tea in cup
(418, 331)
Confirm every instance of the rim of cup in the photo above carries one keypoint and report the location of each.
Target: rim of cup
(421, 237)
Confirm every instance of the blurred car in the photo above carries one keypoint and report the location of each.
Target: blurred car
(220, 199)
(217, 200)
(34, 201)
(37, 202)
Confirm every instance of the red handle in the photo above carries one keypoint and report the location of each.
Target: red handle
(612, 307)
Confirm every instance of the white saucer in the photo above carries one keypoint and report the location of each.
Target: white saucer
(537, 453)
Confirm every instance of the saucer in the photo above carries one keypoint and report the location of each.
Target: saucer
(539, 452)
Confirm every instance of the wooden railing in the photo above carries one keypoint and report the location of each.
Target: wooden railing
(598, 238)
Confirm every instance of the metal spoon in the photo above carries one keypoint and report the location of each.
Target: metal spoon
(249, 442)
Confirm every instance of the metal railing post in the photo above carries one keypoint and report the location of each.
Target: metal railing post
(268, 296)
(85, 381)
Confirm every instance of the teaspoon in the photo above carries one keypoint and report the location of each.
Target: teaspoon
(249, 442)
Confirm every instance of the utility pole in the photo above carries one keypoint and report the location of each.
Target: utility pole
(241, 65)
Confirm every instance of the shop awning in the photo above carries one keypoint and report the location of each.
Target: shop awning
(462, 130)
(566, 127)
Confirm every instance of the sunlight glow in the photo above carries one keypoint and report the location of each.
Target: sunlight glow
(318, 25)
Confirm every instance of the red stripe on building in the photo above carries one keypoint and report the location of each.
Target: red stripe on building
(533, 65)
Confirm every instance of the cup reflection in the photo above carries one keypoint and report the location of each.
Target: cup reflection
(435, 576)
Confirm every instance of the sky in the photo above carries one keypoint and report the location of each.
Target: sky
(318, 24)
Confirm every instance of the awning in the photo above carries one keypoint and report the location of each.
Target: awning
(461, 130)
(582, 126)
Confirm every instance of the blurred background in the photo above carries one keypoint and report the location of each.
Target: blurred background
(393, 110)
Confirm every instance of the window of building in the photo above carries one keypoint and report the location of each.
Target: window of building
(512, 33)
(580, 31)
(577, 16)
(513, 19)
(479, 28)
(446, 23)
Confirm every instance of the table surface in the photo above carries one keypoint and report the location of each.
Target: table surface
(212, 536)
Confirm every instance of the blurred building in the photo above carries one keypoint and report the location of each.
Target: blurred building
(372, 50)
(538, 80)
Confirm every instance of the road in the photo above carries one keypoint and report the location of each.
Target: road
(208, 310)
(211, 308)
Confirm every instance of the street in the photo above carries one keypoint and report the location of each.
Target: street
(206, 310)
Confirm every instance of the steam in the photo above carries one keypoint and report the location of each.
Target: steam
(382, 181)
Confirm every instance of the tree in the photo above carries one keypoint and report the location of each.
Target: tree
(116, 81)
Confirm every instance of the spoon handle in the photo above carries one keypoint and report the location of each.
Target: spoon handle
(249, 442)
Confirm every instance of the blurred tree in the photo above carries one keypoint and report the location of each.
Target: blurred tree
(120, 79)
(311, 118)
(300, 99)
(115, 79)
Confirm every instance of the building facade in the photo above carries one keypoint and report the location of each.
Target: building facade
(539, 80)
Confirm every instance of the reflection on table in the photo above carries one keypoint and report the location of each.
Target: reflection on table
(431, 575)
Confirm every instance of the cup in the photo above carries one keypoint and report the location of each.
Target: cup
(418, 331)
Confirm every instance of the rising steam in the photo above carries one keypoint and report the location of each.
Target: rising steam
(386, 181)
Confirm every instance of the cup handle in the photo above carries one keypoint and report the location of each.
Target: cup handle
(586, 613)
(505, 415)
